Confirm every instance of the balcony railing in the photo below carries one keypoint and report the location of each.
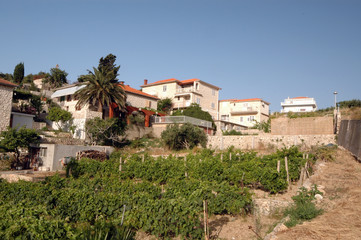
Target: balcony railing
(181, 104)
(186, 90)
(183, 119)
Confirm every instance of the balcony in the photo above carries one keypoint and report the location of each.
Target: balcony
(244, 111)
(294, 103)
(185, 91)
(183, 104)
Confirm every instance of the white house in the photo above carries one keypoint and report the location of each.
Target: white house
(299, 104)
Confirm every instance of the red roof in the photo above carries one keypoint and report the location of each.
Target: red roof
(7, 83)
(188, 81)
(242, 100)
(127, 88)
(163, 81)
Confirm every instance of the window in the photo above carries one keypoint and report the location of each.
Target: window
(148, 104)
(197, 86)
(62, 98)
(241, 119)
(68, 98)
(251, 118)
(198, 100)
(42, 152)
(165, 88)
(77, 108)
(178, 98)
(213, 105)
(224, 117)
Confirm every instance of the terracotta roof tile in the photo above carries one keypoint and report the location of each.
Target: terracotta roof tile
(127, 88)
(7, 83)
(188, 81)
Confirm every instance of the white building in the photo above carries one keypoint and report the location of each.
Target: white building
(299, 104)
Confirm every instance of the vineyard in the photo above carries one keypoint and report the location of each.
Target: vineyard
(161, 196)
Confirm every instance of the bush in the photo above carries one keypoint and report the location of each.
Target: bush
(303, 209)
(186, 136)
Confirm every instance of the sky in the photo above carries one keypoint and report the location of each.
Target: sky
(269, 49)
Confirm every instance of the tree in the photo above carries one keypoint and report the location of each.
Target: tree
(165, 105)
(59, 116)
(186, 136)
(14, 139)
(36, 102)
(18, 73)
(106, 66)
(56, 78)
(105, 132)
(102, 90)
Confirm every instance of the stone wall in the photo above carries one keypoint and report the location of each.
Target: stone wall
(267, 140)
(302, 126)
(6, 96)
(349, 136)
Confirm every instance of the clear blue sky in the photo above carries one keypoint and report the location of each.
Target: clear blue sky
(271, 49)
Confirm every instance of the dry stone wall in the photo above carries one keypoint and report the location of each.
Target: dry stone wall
(6, 96)
(302, 126)
(267, 140)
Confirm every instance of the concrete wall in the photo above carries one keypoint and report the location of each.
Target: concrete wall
(268, 140)
(55, 152)
(349, 136)
(6, 96)
(302, 126)
(21, 119)
(134, 132)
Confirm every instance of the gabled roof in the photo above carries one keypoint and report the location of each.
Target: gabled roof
(244, 100)
(7, 83)
(129, 89)
(162, 81)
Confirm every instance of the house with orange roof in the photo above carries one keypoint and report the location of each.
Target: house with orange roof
(245, 112)
(299, 104)
(185, 92)
(6, 96)
(64, 96)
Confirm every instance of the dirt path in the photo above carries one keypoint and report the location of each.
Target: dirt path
(342, 202)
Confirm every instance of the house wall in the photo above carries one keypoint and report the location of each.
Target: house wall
(209, 95)
(157, 90)
(20, 119)
(6, 96)
(55, 152)
(140, 101)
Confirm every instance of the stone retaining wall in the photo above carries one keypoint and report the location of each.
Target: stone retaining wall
(268, 140)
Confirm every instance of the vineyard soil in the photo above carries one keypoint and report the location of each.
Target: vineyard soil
(342, 204)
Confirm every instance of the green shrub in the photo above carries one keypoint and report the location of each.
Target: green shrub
(186, 136)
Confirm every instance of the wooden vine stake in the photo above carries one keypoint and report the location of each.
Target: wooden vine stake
(143, 158)
(278, 166)
(288, 176)
(205, 220)
(120, 164)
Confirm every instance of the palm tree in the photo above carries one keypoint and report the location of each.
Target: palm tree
(102, 89)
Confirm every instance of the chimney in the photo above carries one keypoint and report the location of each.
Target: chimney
(122, 82)
(145, 81)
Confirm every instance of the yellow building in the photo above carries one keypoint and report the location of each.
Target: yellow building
(244, 111)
